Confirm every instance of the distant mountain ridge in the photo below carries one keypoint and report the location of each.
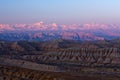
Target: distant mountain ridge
(43, 32)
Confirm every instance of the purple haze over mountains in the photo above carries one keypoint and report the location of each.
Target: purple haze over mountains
(41, 31)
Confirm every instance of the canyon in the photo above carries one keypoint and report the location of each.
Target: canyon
(60, 60)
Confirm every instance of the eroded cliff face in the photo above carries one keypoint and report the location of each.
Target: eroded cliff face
(83, 57)
(24, 60)
(62, 64)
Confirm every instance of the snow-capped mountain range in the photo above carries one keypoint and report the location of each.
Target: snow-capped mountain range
(41, 31)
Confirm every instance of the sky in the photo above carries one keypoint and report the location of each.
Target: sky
(60, 11)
